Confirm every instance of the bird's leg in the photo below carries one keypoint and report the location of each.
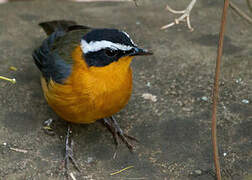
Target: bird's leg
(69, 152)
(185, 15)
(109, 126)
(116, 131)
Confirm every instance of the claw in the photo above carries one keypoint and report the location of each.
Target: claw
(116, 131)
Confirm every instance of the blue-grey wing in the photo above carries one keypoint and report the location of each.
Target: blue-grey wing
(49, 62)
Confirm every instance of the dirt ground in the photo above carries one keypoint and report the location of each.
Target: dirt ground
(175, 131)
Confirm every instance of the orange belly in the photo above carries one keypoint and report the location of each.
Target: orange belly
(91, 93)
(86, 108)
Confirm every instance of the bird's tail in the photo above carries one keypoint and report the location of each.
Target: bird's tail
(60, 25)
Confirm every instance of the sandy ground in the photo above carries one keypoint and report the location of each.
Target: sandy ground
(174, 131)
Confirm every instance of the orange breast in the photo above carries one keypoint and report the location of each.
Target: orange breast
(90, 93)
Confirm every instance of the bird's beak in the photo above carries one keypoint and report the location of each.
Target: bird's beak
(140, 52)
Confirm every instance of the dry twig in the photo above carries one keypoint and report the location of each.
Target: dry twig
(240, 12)
(117, 172)
(185, 16)
(72, 176)
(8, 79)
(18, 150)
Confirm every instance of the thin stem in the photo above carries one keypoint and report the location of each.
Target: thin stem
(240, 12)
(216, 90)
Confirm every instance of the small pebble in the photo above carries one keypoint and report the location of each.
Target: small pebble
(224, 154)
(186, 109)
(245, 101)
(204, 98)
(89, 159)
(173, 93)
(149, 96)
(180, 103)
(148, 84)
(238, 80)
(12, 68)
(3, 1)
(48, 122)
(198, 172)
(5, 144)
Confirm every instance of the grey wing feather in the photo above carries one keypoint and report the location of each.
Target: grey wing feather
(53, 57)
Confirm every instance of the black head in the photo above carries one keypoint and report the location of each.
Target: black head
(104, 46)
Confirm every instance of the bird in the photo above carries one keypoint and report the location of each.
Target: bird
(86, 74)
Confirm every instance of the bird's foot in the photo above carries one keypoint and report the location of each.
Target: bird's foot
(117, 132)
(69, 153)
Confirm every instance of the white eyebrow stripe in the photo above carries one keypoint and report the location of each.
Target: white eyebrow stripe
(94, 46)
(129, 38)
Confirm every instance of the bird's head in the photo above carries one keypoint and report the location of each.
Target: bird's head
(101, 47)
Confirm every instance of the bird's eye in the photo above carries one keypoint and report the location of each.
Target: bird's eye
(110, 52)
